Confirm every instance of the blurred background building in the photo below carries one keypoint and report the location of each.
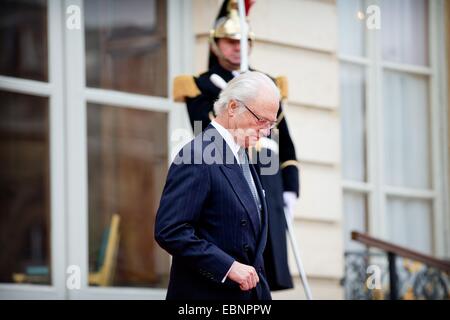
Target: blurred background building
(88, 126)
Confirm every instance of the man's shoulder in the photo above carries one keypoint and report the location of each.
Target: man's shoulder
(207, 148)
(204, 76)
(205, 84)
(199, 143)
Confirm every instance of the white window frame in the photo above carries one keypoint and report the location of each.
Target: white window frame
(374, 189)
(77, 98)
(53, 90)
(68, 98)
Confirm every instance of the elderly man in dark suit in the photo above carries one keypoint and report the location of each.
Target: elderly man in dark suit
(212, 216)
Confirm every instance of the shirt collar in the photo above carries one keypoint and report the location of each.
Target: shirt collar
(228, 138)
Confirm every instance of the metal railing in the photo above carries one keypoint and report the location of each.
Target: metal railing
(394, 273)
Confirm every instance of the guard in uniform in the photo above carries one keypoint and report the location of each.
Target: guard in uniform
(282, 188)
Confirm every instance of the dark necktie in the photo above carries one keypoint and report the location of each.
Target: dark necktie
(248, 177)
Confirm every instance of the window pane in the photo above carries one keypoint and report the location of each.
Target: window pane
(126, 45)
(355, 218)
(127, 159)
(353, 112)
(24, 189)
(351, 28)
(406, 131)
(409, 223)
(23, 39)
(404, 29)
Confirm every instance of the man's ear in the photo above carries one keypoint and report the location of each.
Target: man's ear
(232, 107)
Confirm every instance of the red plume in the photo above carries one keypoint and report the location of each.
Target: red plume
(248, 5)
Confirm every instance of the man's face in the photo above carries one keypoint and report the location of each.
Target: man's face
(231, 49)
(247, 128)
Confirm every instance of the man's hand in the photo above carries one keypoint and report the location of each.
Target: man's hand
(290, 198)
(244, 275)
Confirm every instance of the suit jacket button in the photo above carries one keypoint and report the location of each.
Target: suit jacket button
(246, 247)
(243, 222)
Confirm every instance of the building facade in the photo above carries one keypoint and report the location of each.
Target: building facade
(88, 128)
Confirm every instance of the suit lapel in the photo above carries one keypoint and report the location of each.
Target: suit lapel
(240, 186)
(233, 173)
(261, 244)
(235, 177)
(237, 181)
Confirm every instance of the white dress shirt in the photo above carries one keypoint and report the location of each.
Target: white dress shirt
(228, 137)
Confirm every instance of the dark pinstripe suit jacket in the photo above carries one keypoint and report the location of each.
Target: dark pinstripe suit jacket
(207, 219)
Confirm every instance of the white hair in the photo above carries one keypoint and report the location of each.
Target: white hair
(245, 87)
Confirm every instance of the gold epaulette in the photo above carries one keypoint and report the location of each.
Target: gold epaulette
(289, 163)
(184, 87)
(282, 84)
